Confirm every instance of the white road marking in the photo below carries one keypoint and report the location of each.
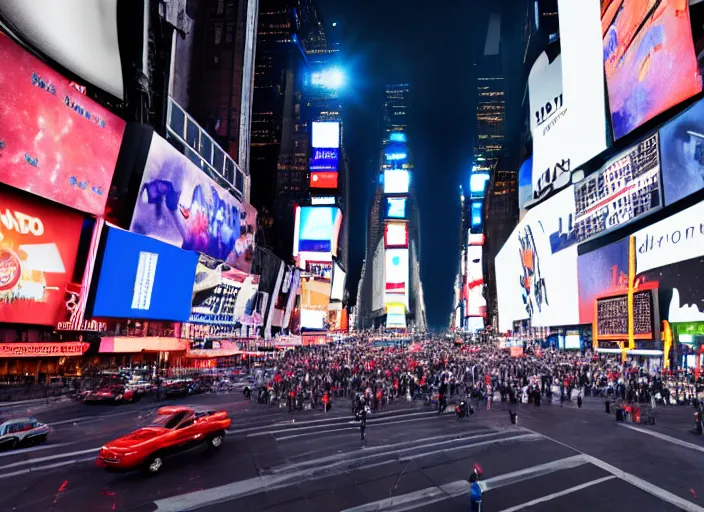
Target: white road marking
(43, 468)
(29, 462)
(554, 495)
(460, 488)
(22, 451)
(664, 437)
(83, 420)
(281, 478)
(524, 437)
(644, 485)
(285, 438)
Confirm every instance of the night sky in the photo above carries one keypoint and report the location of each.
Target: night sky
(433, 50)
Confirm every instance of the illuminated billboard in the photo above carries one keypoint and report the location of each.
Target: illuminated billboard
(397, 273)
(339, 277)
(55, 142)
(476, 214)
(477, 183)
(326, 134)
(476, 303)
(395, 309)
(396, 181)
(37, 258)
(324, 159)
(649, 60)
(396, 234)
(323, 179)
(396, 321)
(315, 301)
(396, 207)
(316, 233)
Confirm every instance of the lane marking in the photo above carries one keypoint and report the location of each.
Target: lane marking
(50, 457)
(460, 488)
(664, 437)
(272, 482)
(286, 438)
(559, 494)
(526, 437)
(43, 468)
(644, 485)
(22, 451)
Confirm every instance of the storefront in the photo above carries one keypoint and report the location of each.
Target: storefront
(39, 362)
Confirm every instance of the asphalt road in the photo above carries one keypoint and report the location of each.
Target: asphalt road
(554, 459)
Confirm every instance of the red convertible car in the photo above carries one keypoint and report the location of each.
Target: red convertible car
(176, 428)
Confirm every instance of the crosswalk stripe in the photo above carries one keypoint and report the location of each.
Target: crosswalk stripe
(559, 494)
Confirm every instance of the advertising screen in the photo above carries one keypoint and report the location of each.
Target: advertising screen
(612, 315)
(37, 258)
(394, 321)
(525, 183)
(476, 214)
(339, 277)
(396, 234)
(396, 181)
(601, 272)
(318, 227)
(142, 278)
(477, 183)
(682, 154)
(326, 134)
(536, 276)
(324, 159)
(397, 271)
(583, 78)
(573, 340)
(323, 179)
(649, 60)
(550, 126)
(378, 277)
(626, 188)
(323, 200)
(216, 289)
(475, 323)
(395, 309)
(320, 268)
(55, 142)
(315, 300)
(395, 207)
(476, 303)
(180, 205)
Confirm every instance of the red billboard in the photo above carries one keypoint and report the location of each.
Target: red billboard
(323, 179)
(38, 246)
(55, 142)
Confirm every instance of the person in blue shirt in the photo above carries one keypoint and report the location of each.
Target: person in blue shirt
(475, 496)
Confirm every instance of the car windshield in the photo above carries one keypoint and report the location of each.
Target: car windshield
(169, 421)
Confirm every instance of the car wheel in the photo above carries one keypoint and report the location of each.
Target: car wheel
(154, 464)
(216, 441)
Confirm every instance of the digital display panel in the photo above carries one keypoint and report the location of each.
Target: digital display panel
(38, 248)
(396, 207)
(324, 159)
(315, 301)
(398, 137)
(649, 60)
(396, 234)
(318, 227)
(397, 271)
(142, 278)
(612, 315)
(396, 181)
(55, 142)
(476, 214)
(326, 134)
(478, 182)
(323, 179)
(339, 277)
(394, 321)
(180, 205)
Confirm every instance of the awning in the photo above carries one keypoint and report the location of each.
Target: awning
(134, 345)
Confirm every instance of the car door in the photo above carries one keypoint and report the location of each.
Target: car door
(186, 433)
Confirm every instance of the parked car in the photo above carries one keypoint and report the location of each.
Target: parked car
(175, 429)
(22, 432)
(113, 393)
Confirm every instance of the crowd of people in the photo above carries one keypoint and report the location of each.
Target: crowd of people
(376, 373)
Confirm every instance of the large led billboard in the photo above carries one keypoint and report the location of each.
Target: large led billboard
(649, 60)
(323, 179)
(395, 321)
(536, 275)
(323, 167)
(326, 134)
(396, 181)
(476, 215)
(478, 183)
(180, 205)
(378, 277)
(315, 301)
(396, 234)
(315, 233)
(397, 276)
(396, 207)
(143, 278)
(37, 258)
(339, 277)
(476, 303)
(55, 142)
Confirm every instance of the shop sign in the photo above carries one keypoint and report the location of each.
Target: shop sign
(73, 348)
(85, 325)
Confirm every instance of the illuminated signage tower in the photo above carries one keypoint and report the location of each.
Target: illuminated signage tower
(392, 255)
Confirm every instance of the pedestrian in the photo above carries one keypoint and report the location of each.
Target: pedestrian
(363, 424)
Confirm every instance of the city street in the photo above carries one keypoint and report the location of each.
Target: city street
(554, 459)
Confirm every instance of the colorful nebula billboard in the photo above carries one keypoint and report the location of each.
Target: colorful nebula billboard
(682, 154)
(649, 60)
(143, 278)
(55, 142)
(180, 205)
(38, 246)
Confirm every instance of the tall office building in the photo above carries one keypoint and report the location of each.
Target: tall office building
(390, 291)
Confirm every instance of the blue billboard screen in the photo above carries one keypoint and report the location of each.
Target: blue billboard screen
(317, 228)
(478, 182)
(476, 214)
(143, 278)
(395, 207)
(325, 159)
